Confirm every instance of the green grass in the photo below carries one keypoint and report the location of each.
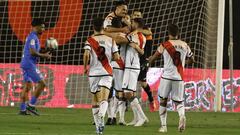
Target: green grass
(78, 122)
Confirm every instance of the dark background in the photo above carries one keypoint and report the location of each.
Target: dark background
(158, 14)
(236, 35)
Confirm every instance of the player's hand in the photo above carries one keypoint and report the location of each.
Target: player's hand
(133, 45)
(47, 55)
(126, 29)
(150, 60)
(85, 72)
(145, 65)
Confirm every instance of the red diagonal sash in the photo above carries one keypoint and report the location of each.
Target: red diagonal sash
(140, 36)
(172, 52)
(120, 63)
(96, 47)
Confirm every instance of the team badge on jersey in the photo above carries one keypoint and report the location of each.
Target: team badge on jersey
(32, 42)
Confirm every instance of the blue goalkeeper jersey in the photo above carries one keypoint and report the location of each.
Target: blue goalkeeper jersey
(29, 61)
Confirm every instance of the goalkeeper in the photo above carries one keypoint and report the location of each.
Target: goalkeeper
(31, 54)
(144, 60)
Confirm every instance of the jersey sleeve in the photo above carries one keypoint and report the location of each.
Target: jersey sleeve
(160, 49)
(31, 41)
(189, 52)
(107, 22)
(114, 47)
(87, 46)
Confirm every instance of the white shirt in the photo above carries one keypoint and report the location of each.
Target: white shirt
(132, 60)
(96, 67)
(170, 71)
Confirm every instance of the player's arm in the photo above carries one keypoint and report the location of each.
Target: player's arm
(86, 57)
(146, 32)
(156, 55)
(33, 51)
(37, 54)
(137, 48)
(190, 57)
(112, 29)
(121, 40)
(116, 55)
(190, 60)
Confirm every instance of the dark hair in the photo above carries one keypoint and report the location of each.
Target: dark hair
(37, 22)
(98, 24)
(173, 30)
(120, 3)
(136, 10)
(139, 21)
(116, 22)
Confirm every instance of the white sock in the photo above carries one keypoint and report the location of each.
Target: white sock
(163, 115)
(122, 109)
(110, 108)
(181, 110)
(95, 116)
(103, 108)
(135, 114)
(115, 107)
(140, 113)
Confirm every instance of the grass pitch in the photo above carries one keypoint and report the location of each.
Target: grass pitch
(78, 122)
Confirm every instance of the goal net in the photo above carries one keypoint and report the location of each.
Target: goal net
(69, 21)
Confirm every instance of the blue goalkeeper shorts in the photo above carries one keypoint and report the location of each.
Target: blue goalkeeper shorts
(31, 75)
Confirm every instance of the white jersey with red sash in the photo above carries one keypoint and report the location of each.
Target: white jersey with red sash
(132, 56)
(100, 67)
(174, 53)
(132, 63)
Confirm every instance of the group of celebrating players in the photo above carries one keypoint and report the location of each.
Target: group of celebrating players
(119, 52)
(116, 57)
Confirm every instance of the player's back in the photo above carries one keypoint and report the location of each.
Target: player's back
(171, 70)
(32, 41)
(97, 67)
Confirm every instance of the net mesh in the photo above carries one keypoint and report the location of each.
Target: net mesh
(69, 21)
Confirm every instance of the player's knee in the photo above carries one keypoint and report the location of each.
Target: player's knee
(177, 102)
(42, 84)
(163, 102)
(128, 95)
(143, 84)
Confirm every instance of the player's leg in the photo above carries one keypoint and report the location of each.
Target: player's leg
(104, 86)
(142, 79)
(36, 77)
(110, 108)
(147, 89)
(115, 110)
(129, 87)
(178, 97)
(24, 97)
(120, 102)
(95, 110)
(27, 86)
(93, 83)
(164, 90)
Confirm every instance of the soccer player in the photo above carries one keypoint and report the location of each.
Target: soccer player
(115, 26)
(132, 69)
(143, 60)
(120, 12)
(174, 52)
(30, 57)
(100, 50)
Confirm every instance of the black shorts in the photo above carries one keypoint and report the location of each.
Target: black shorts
(143, 75)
